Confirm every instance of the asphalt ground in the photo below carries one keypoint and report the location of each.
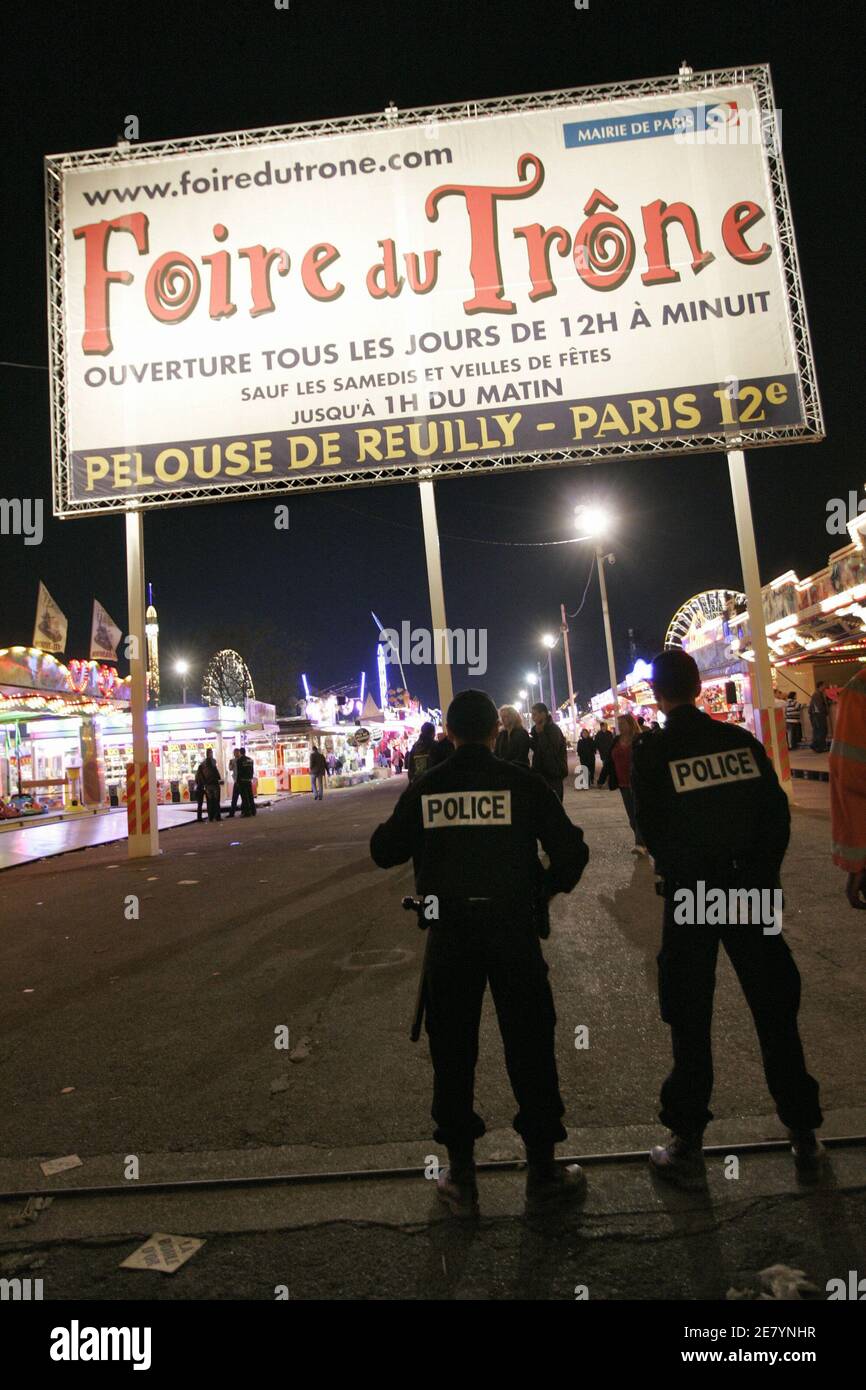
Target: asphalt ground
(153, 1036)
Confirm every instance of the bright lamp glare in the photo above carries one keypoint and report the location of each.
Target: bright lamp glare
(592, 521)
(531, 678)
(548, 640)
(181, 667)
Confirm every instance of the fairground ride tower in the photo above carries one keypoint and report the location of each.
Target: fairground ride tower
(151, 632)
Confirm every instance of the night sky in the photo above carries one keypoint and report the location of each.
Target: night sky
(222, 575)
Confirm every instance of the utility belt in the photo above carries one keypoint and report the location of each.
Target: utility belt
(460, 912)
(732, 871)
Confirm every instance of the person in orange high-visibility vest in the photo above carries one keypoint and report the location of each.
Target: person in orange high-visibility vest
(848, 787)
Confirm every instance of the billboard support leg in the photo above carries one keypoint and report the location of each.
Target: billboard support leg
(141, 803)
(767, 726)
(437, 593)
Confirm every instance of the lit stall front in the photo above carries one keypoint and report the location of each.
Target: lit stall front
(357, 738)
(816, 630)
(634, 696)
(179, 738)
(51, 730)
(816, 627)
(66, 736)
(706, 626)
(331, 723)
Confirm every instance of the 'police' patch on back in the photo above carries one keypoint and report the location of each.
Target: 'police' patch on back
(466, 808)
(713, 769)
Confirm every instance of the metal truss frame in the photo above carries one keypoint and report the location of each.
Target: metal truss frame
(687, 83)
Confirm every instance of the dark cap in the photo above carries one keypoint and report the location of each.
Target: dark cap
(472, 716)
(675, 675)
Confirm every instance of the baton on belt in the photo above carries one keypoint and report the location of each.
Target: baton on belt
(416, 905)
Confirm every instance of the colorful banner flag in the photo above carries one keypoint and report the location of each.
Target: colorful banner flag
(49, 630)
(104, 635)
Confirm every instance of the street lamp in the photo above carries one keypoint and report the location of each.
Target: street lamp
(594, 523)
(182, 670)
(533, 679)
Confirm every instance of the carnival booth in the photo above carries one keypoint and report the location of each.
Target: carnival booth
(634, 696)
(816, 630)
(705, 626)
(66, 737)
(816, 627)
(52, 717)
(179, 737)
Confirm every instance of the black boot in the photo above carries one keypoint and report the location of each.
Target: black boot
(681, 1160)
(456, 1185)
(810, 1156)
(548, 1183)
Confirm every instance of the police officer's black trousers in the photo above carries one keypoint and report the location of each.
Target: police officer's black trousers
(770, 981)
(463, 956)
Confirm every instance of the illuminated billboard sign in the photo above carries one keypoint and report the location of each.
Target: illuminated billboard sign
(523, 282)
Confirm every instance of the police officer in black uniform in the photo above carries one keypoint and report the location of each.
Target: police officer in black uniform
(471, 826)
(713, 815)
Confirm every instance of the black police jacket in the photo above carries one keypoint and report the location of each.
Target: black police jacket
(549, 752)
(708, 802)
(512, 745)
(471, 827)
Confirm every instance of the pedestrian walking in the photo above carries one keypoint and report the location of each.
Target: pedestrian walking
(236, 789)
(199, 791)
(246, 773)
(549, 753)
(616, 772)
(586, 754)
(603, 740)
(418, 761)
(848, 788)
(442, 749)
(318, 772)
(717, 824)
(207, 775)
(819, 716)
(472, 827)
(793, 721)
(512, 741)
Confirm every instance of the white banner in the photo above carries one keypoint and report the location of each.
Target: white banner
(104, 635)
(49, 630)
(561, 279)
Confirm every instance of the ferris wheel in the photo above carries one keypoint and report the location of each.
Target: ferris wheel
(698, 611)
(227, 680)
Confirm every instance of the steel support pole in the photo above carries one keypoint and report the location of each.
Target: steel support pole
(441, 647)
(552, 688)
(766, 726)
(599, 556)
(568, 673)
(141, 802)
